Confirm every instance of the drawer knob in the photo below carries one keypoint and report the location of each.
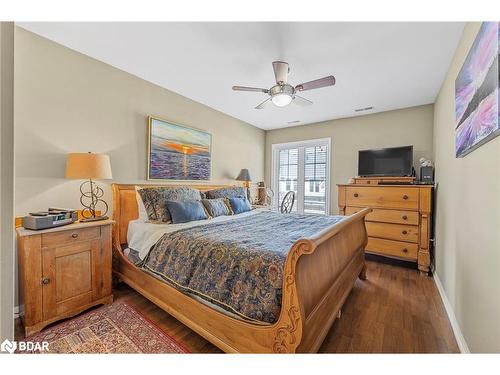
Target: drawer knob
(356, 195)
(45, 280)
(405, 197)
(404, 250)
(404, 217)
(404, 232)
(74, 235)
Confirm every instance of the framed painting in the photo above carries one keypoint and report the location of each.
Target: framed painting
(177, 152)
(476, 92)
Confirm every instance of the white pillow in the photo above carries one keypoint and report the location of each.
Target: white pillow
(143, 215)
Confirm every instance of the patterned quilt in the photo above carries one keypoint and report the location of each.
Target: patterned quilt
(236, 265)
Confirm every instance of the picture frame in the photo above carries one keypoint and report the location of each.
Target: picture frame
(476, 92)
(177, 152)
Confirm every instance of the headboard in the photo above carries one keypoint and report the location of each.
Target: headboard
(125, 206)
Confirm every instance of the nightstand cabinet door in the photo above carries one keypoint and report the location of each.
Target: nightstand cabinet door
(67, 276)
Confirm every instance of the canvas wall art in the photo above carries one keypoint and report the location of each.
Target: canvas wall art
(476, 92)
(178, 152)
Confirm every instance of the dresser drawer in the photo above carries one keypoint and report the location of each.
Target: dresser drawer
(387, 216)
(384, 197)
(397, 249)
(397, 232)
(68, 236)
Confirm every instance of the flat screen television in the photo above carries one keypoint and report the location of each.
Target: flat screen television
(395, 161)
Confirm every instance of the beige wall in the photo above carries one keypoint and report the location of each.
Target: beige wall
(68, 102)
(468, 219)
(7, 180)
(410, 126)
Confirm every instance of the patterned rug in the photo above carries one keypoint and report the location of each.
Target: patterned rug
(116, 328)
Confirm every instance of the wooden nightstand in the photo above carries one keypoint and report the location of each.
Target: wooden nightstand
(63, 271)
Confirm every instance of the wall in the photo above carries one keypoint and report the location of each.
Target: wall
(69, 102)
(467, 219)
(410, 126)
(7, 180)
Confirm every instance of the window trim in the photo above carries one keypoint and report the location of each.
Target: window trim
(276, 147)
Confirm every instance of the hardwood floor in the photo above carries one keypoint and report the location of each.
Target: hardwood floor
(395, 311)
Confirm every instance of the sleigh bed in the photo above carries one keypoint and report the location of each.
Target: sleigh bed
(318, 274)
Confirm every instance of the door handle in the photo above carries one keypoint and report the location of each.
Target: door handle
(45, 281)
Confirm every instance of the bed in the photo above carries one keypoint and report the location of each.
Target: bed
(318, 273)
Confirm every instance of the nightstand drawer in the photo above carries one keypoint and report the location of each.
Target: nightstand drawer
(384, 197)
(69, 235)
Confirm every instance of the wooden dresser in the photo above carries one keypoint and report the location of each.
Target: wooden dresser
(63, 271)
(400, 224)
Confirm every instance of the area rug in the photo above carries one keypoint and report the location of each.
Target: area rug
(115, 328)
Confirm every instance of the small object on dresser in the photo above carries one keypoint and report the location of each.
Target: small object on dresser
(51, 218)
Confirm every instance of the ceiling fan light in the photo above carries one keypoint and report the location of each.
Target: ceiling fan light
(281, 100)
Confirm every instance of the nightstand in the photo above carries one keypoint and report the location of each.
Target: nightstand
(63, 271)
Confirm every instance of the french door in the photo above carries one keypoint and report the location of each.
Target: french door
(304, 168)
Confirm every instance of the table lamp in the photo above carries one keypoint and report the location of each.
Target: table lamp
(244, 176)
(89, 166)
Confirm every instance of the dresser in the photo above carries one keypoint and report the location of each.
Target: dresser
(63, 271)
(399, 225)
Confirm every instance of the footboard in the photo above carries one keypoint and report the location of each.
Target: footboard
(319, 275)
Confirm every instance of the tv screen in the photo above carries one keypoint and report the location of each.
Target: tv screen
(396, 161)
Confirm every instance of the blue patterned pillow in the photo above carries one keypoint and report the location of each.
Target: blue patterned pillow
(186, 211)
(154, 199)
(229, 192)
(239, 205)
(216, 207)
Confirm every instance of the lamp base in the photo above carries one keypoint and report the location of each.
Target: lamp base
(97, 218)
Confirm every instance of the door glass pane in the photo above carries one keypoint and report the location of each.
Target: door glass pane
(315, 180)
(288, 174)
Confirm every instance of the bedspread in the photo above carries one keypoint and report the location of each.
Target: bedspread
(237, 264)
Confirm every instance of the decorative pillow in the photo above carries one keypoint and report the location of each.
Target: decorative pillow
(143, 214)
(155, 198)
(229, 192)
(150, 199)
(186, 211)
(216, 207)
(239, 205)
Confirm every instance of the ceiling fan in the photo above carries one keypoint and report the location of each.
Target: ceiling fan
(282, 93)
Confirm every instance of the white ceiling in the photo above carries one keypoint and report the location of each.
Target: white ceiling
(384, 65)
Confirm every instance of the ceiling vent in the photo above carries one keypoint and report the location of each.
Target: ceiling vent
(363, 109)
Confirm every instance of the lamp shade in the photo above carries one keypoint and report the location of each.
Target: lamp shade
(80, 166)
(244, 175)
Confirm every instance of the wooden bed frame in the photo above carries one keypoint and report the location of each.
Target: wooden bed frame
(319, 274)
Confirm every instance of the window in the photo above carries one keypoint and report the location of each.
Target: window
(303, 167)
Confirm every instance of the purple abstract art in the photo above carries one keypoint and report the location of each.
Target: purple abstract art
(476, 92)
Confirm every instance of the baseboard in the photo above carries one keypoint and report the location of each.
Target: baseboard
(462, 344)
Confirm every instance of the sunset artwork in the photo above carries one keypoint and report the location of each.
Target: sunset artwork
(476, 92)
(177, 152)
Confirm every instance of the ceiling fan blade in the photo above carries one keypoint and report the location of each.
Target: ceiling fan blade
(253, 89)
(264, 104)
(299, 100)
(281, 71)
(316, 84)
